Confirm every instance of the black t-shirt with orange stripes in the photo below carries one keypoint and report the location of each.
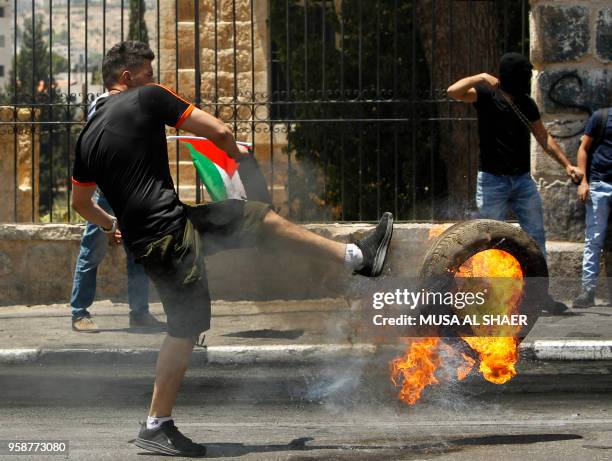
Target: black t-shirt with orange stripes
(123, 150)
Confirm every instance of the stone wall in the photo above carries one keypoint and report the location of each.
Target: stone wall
(571, 49)
(17, 206)
(37, 264)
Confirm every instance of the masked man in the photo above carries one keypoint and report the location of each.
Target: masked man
(506, 116)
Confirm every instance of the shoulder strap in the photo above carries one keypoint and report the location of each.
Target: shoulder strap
(521, 117)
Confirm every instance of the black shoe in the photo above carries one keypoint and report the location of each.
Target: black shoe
(167, 439)
(554, 307)
(585, 299)
(374, 247)
(145, 320)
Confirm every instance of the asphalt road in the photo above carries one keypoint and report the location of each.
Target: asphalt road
(342, 412)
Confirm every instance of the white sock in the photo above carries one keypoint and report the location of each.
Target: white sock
(153, 422)
(353, 257)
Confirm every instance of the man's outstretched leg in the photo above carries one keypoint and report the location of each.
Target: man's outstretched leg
(366, 256)
(159, 434)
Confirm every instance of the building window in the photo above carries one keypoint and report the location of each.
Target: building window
(1, 71)
(1, 41)
(1, 11)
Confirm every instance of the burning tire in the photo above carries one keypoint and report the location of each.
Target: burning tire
(464, 240)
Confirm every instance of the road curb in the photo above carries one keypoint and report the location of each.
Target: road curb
(570, 349)
(544, 350)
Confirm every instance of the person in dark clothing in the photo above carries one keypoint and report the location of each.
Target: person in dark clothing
(506, 116)
(122, 150)
(595, 191)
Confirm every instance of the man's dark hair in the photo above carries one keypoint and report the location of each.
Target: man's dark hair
(124, 55)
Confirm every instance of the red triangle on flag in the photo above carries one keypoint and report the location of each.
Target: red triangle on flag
(214, 154)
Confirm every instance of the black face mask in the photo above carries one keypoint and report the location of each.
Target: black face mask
(515, 74)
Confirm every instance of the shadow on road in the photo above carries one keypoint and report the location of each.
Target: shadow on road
(233, 450)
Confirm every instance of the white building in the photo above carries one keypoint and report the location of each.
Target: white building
(6, 41)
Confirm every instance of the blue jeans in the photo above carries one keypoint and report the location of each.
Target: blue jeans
(93, 248)
(597, 211)
(495, 194)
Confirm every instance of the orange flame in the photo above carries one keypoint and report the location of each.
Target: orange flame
(491, 263)
(498, 355)
(416, 369)
(466, 367)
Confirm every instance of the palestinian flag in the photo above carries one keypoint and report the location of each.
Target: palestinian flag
(217, 170)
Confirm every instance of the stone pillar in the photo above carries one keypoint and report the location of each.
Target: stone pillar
(234, 78)
(571, 49)
(18, 148)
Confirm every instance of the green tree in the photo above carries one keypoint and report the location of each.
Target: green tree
(138, 26)
(32, 69)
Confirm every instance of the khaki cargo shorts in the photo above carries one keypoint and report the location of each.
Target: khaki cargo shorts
(175, 262)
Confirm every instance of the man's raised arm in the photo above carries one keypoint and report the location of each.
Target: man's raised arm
(464, 89)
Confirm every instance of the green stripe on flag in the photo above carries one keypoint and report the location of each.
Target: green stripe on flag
(209, 174)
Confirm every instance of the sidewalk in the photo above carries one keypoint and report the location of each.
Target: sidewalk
(266, 331)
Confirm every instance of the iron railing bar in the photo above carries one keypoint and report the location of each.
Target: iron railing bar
(469, 125)
(33, 114)
(288, 87)
(198, 80)
(139, 21)
(235, 64)
(306, 8)
(395, 133)
(323, 96)
(523, 26)
(68, 118)
(323, 37)
(360, 147)
(216, 96)
(122, 20)
(158, 40)
(176, 82)
(252, 74)
(50, 132)
(413, 108)
(85, 97)
(378, 172)
(104, 39)
(270, 106)
(432, 181)
(15, 99)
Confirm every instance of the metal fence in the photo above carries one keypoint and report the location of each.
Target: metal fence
(344, 99)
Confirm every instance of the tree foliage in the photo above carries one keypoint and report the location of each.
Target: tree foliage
(32, 70)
